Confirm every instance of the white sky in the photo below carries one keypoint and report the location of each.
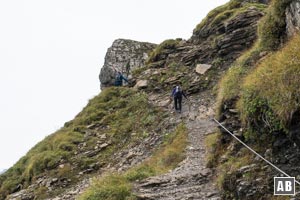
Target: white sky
(51, 52)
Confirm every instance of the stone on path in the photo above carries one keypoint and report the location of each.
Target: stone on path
(202, 68)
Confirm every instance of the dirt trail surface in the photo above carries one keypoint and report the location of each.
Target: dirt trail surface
(191, 179)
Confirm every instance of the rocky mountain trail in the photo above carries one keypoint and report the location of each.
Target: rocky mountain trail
(191, 179)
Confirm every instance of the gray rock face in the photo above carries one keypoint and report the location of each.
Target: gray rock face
(125, 56)
(228, 38)
(293, 17)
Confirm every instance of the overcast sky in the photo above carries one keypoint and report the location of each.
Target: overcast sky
(51, 52)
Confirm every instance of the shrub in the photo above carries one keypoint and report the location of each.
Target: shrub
(111, 187)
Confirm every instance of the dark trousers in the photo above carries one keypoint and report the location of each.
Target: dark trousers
(177, 102)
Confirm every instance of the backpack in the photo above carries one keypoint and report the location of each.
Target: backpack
(178, 92)
(118, 77)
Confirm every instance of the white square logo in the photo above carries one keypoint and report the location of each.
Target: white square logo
(284, 185)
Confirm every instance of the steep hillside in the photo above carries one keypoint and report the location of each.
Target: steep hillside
(115, 127)
(258, 101)
(243, 60)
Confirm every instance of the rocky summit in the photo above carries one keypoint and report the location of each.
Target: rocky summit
(240, 66)
(124, 56)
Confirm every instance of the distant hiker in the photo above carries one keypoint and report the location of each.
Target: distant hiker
(177, 94)
(119, 79)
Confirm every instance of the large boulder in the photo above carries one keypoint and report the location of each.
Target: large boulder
(202, 68)
(125, 56)
(141, 84)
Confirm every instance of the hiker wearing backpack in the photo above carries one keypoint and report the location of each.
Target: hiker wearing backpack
(119, 79)
(177, 94)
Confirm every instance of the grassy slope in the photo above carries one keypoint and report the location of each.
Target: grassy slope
(266, 91)
(271, 32)
(271, 91)
(119, 111)
(119, 186)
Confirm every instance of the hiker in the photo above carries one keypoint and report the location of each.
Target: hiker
(119, 79)
(177, 94)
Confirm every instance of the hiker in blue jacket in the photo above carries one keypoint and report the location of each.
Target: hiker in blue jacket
(177, 94)
(119, 79)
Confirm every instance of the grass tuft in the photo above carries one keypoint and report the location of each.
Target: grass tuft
(155, 55)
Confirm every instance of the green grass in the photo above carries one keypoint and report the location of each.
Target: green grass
(225, 13)
(229, 167)
(271, 92)
(172, 70)
(213, 149)
(156, 53)
(215, 12)
(229, 86)
(270, 33)
(110, 187)
(272, 26)
(119, 186)
(120, 111)
(265, 91)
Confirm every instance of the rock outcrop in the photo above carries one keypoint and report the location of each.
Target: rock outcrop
(125, 56)
(293, 17)
(227, 38)
(216, 42)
